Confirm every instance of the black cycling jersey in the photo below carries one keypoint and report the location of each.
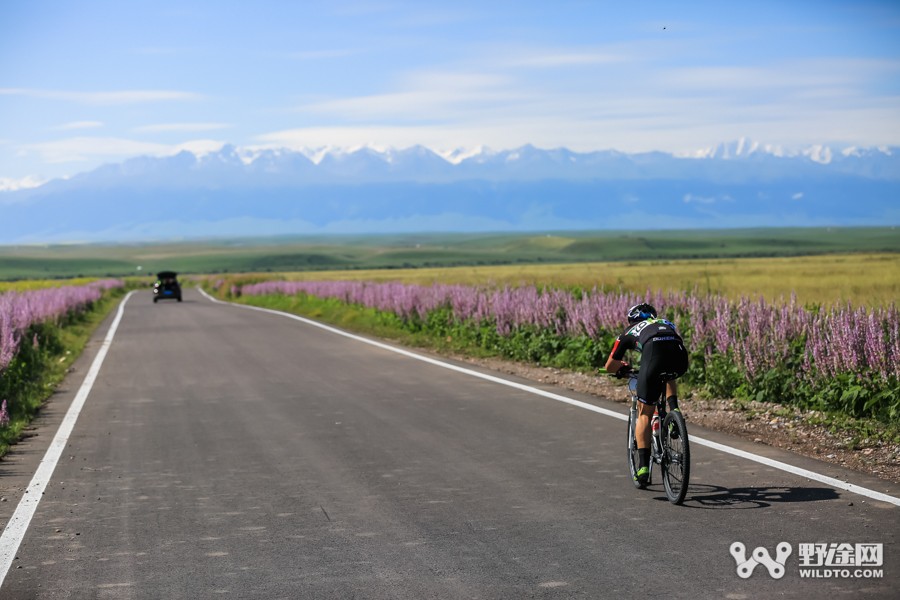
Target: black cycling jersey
(663, 357)
(639, 334)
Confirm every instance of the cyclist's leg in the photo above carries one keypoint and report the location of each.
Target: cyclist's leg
(653, 364)
(677, 359)
(672, 394)
(642, 425)
(649, 387)
(646, 404)
(642, 434)
(671, 388)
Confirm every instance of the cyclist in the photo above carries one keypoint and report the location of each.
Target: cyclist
(663, 359)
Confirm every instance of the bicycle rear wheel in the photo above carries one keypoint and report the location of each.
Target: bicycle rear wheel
(676, 462)
(633, 458)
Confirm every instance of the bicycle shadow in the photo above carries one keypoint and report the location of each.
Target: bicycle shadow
(709, 497)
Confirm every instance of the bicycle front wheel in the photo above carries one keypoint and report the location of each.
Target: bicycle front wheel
(676, 460)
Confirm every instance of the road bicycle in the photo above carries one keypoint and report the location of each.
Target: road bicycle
(669, 446)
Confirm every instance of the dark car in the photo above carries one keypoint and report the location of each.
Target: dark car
(166, 286)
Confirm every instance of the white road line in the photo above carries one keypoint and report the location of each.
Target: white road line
(18, 523)
(776, 464)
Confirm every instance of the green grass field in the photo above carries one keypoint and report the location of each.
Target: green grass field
(317, 253)
(863, 279)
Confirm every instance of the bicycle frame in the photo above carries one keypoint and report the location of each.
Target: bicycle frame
(669, 448)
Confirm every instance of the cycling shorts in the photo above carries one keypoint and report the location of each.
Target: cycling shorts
(662, 359)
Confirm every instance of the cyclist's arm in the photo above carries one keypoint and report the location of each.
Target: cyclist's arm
(616, 357)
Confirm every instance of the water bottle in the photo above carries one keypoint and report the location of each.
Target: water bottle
(654, 425)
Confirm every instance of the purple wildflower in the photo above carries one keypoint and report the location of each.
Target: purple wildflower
(758, 335)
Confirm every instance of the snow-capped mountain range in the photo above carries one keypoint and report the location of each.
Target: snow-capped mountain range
(819, 153)
(246, 191)
(418, 163)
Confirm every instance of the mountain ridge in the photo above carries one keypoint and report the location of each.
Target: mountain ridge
(244, 191)
(375, 163)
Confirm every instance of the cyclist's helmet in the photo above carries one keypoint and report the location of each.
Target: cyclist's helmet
(641, 312)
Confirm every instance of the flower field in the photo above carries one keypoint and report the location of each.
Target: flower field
(20, 310)
(30, 326)
(840, 358)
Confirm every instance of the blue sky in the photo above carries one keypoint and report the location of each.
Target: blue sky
(88, 82)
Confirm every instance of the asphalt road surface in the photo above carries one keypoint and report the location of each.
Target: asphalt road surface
(225, 452)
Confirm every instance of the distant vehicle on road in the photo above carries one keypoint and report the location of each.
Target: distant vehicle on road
(166, 286)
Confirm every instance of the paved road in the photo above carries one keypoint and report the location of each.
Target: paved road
(225, 452)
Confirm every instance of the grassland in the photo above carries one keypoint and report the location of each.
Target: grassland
(37, 284)
(863, 279)
(819, 265)
(318, 253)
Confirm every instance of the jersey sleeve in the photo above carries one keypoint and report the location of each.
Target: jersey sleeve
(623, 344)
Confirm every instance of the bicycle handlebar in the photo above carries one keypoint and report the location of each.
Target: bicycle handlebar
(631, 373)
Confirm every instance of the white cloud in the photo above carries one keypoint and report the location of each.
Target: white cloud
(631, 96)
(80, 125)
(11, 185)
(743, 78)
(443, 137)
(103, 98)
(423, 97)
(694, 199)
(615, 97)
(555, 58)
(312, 137)
(797, 196)
(197, 147)
(180, 127)
(81, 149)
